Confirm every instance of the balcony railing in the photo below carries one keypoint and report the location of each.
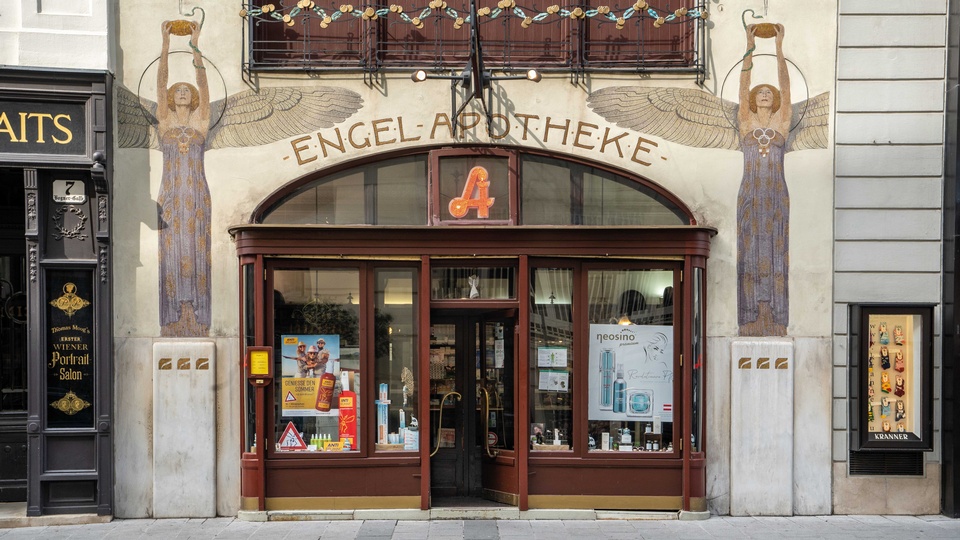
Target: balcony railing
(307, 35)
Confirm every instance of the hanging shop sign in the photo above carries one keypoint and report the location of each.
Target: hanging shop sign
(42, 127)
(891, 378)
(475, 195)
(631, 372)
(69, 348)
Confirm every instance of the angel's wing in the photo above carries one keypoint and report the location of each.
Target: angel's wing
(682, 115)
(253, 118)
(810, 130)
(136, 119)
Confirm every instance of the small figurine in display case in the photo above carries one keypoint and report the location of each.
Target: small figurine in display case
(873, 334)
(870, 405)
(898, 338)
(898, 363)
(885, 383)
(901, 428)
(899, 391)
(884, 335)
(901, 412)
(885, 426)
(870, 391)
(884, 358)
(884, 407)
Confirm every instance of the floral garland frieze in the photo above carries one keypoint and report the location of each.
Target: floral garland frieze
(276, 12)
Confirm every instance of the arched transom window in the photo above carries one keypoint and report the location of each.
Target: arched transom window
(474, 186)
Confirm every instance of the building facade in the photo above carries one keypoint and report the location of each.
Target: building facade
(394, 256)
(56, 413)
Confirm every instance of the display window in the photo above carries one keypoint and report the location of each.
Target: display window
(317, 332)
(395, 359)
(624, 357)
(630, 360)
(892, 374)
(552, 355)
(325, 368)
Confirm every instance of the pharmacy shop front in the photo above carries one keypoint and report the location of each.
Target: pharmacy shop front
(473, 324)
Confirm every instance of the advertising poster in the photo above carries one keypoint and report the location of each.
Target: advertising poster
(631, 372)
(308, 361)
(70, 348)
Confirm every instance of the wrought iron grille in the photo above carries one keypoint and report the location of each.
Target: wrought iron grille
(326, 35)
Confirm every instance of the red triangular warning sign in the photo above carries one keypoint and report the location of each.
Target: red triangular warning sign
(291, 440)
(290, 397)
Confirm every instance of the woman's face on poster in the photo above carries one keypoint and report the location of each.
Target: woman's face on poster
(655, 349)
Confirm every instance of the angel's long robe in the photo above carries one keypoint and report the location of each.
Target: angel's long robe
(184, 228)
(763, 226)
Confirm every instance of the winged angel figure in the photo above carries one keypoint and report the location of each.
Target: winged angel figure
(183, 127)
(764, 125)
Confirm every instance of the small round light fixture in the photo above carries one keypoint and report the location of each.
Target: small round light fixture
(419, 75)
(533, 75)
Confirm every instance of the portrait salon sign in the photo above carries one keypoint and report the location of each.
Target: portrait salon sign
(42, 127)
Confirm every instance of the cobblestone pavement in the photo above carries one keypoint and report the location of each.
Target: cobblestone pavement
(828, 527)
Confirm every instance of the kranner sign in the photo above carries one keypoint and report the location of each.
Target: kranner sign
(40, 127)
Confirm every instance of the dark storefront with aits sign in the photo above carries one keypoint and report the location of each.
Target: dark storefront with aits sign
(55, 354)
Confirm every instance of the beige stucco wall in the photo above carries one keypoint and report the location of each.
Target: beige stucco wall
(707, 180)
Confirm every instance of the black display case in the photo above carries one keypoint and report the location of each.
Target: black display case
(891, 377)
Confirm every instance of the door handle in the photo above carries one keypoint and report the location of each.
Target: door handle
(486, 424)
(456, 396)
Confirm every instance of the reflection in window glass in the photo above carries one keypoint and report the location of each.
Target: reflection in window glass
(696, 438)
(13, 333)
(392, 192)
(249, 340)
(551, 359)
(555, 192)
(395, 348)
(317, 357)
(546, 193)
(335, 200)
(495, 386)
(613, 200)
(630, 363)
(402, 191)
(474, 283)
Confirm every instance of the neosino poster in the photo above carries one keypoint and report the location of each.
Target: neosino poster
(631, 372)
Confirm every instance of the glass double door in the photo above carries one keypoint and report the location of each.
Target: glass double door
(472, 425)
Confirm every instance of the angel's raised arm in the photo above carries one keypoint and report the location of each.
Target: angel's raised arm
(163, 72)
(743, 112)
(783, 77)
(202, 85)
